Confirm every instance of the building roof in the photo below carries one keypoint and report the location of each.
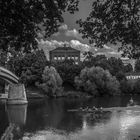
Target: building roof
(64, 48)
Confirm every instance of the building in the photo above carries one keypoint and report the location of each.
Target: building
(62, 53)
(133, 76)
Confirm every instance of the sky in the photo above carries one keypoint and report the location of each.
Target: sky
(68, 33)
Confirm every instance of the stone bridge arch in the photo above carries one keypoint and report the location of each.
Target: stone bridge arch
(8, 76)
(16, 90)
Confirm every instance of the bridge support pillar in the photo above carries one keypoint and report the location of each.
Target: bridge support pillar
(17, 94)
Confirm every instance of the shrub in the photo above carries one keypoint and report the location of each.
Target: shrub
(126, 87)
(29, 67)
(51, 82)
(136, 87)
(97, 81)
(68, 71)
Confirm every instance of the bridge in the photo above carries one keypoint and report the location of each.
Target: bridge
(16, 95)
(16, 90)
(8, 76)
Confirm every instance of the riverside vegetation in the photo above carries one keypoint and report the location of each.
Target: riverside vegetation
(96, 76)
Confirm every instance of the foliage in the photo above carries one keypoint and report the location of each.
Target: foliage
(21, 21)
(29, 67)
(51, 82)
(68, 70)
(126, 87)
(3, 58)
(116, 65)
(97, 81)
(136, 88)
(95, 60)
(120, 76)
(114, 21)
(137, 65)
(128, 68)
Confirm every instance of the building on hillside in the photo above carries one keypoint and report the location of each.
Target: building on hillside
(62, 53)
(132, 76)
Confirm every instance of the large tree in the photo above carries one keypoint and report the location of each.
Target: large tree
(21, 20)
(113, 21)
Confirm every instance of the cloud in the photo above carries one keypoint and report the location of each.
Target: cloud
(74, 33)
(64, 30)
(56, 34)
(63, 27)
(115, 53)
(79, 46)
(107, 47)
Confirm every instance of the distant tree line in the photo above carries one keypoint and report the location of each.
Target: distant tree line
(96, 75)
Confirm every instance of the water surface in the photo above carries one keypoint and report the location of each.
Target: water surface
(51, 120)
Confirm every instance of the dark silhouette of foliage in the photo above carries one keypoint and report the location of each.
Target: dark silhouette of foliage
(128, 68)
(136, 87)
(29, 67)
(116, 65)
(68, 70)
(21, 21)
(126, 87)
(120, 76)
(114, 21)
(137, 66)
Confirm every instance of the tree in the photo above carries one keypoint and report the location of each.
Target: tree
(137, 66)
(136, 88)
(114, 21)
(97, 81)
(99, 60)
(51, 82)
(128, 68)
(29, 66)
(68, 70)
(21, 21)
(116, 65)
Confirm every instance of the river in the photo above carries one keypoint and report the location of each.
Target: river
(51, 120)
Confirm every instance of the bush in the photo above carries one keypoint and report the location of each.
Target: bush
(68, 71)
(136, 87)
(29, 67)
(97, 81)
(51, 82)
(126, 87)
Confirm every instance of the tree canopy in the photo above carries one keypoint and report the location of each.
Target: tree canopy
(113, 21)
(97, 81)
(20, 21)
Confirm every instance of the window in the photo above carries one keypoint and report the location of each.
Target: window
(62, 57)
(55, 58)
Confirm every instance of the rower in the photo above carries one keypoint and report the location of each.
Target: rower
(131, 101)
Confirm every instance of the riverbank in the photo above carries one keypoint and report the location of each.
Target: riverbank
(36, 93)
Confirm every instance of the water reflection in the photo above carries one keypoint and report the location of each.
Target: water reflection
(52, 121)
(17, 118)
(53, 115)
